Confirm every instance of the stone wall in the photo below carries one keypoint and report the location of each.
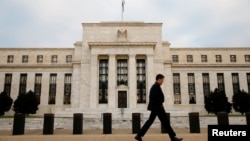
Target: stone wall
(126, 123)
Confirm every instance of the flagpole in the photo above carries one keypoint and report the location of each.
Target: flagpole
(122, 10)
(122, 13)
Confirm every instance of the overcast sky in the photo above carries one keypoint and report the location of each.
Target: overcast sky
(186, 23)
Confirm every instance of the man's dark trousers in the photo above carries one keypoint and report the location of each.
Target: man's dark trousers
(162, 117)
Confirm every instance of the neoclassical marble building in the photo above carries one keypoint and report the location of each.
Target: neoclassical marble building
(113, 67)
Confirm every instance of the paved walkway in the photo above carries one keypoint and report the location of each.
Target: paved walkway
(96, 135)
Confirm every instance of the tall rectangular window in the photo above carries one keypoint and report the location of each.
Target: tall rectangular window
(248, 82)
(177, 88)
(203, 58)
(23, 83)
(122, 72)
(7, 83)
(52, 88)
(38, 86)
(191, 88)
(220, 81)
(103, 81)
(141, 80)
(67, 88)
(236, 83)
(206, 84)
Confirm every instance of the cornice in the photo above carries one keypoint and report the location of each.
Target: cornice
(211, 65)
(35, 66)
(120, 44)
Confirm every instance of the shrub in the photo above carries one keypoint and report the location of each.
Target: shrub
(26, 103)
(241, 102)
(5, 103)
(217, 101)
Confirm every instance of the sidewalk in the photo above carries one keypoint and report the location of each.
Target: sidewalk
(97, 135)
(99, 131)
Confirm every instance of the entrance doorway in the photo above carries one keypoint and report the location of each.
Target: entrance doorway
(122, 99)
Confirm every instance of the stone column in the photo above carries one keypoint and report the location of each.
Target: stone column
(30, 81)
(75, 96)
(243, 81)
(150, 74)
(111, 82)
(213, 80)
(228, 85)
(59, 89)
(15, 85)
(184, 88)
(132, 82)
(2, 79)
(199, 89)
(44, 93)
(85, 85)
(168, 86)
(94, 82)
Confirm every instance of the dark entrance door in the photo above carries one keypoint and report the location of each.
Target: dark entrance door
(122, 99)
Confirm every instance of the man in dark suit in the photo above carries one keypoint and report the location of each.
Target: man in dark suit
(156, 99)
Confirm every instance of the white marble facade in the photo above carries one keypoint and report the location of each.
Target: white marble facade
(122, 40)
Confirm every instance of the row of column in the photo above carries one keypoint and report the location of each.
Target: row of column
(112, 86)
(30, 83)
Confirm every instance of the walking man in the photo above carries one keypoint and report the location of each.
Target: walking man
(156, 99)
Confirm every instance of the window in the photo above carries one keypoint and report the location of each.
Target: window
(10, 59)
(218, 58)
(248, 82)
(7, 83)
(54, 59)
(177, 88)
(233, 58)
(103, 81)
(23, 83)
(141, 80)
(38, 86)
(189, 58)
(247, 58)
(122, 72)
(67, 88)
(220, 80)
(203, 58)
(236, 84)
(206, 84)
(52, 88)
(175, 58)
(68, 58)
(191, 88)
(39, 59)
(25, 59)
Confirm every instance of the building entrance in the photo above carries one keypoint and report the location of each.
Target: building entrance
(122, 99)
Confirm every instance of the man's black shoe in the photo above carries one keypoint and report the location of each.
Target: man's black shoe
(176, 139)
(138, 138)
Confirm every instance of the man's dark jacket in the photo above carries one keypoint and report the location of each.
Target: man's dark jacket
(156, 97)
